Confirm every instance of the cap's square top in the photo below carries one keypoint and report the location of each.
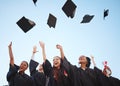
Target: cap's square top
(25, 24)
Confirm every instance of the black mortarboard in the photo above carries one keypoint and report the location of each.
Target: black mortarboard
(106, 13)
(69, 8)
(87, 18)
(25, 24)
(88, 61)
(34, 1)
(51, 21)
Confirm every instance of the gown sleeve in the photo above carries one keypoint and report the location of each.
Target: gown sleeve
(67, 64)
(12, 71)
(32, 67)
(72, 72)
(47, 68)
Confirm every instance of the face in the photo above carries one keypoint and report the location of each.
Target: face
(23, 66)
(40, 68)
(56, 62)
(82, 60)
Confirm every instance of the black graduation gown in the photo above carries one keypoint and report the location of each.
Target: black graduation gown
(114, 81)
(88, 77)
(104, 80)
(64, 80)
(39, 78)
(16, 79)
(81, 77)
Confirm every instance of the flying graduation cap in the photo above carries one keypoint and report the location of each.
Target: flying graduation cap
(69, 8)
(106, 13)
(87, 18)
(34, 1)
(25, 24)
(51, 21)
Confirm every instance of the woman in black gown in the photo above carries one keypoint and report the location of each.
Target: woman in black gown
(16, 75)
(57, 74)
(83, 75)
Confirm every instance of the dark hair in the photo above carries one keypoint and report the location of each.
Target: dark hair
(26, 62)
(88, 61)
(57, 72)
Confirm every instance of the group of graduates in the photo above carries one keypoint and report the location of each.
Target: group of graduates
(62, 73)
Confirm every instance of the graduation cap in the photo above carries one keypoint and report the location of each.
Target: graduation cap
(87, 18)
(51, 21)
(69, 8)
(25, 24)
(34, 1)
(106, 13)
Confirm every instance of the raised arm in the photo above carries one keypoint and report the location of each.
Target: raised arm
(61, 51)
(47, 67)
(42, 45)
(33, 64)
(33, 52)
(11, 54)
(92, 58)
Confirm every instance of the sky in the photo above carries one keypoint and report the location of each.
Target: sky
(100, 38)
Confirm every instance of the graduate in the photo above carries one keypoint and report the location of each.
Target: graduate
(57, 74)
(104, 76)
(38, 75)
(82, 76)
(16, 75)
(72, 72)
(113, 80)
(86, 74)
